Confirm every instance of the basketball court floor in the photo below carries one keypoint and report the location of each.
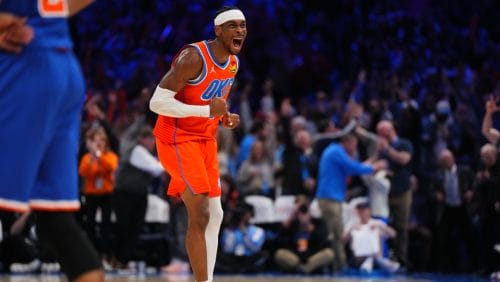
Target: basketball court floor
(252, 278)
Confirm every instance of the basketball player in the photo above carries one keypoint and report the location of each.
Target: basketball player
(41, 96)
(191, 101)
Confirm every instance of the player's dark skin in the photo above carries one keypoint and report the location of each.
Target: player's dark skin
(188, 65)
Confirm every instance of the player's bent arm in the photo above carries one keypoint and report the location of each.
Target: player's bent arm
(188, 65)
(76, 6)
(164, 103)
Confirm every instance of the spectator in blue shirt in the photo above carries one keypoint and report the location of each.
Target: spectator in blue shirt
(241, 243)
(257, 131)
(336, 164)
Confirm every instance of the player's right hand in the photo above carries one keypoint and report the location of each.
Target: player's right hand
(218, 107)
(8, 19)
(14, 33)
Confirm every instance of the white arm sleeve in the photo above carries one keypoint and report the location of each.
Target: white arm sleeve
(164, 103)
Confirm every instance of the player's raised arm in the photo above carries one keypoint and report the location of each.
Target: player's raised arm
(187, 66)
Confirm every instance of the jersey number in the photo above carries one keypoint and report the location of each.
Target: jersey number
(217, 88)
(53, 8)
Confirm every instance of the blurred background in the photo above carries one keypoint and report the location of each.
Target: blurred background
(311, 72)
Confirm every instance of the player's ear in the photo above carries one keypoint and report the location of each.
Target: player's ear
(218, 30)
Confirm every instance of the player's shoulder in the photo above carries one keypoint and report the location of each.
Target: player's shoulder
(188, 62)
(188, 57)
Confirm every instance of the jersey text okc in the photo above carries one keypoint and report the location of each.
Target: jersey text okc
(217, 88)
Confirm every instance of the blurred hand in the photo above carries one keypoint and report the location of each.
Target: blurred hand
(218, 107)
(382, 144)
(379, 165)
(491, 104)
(230, 120)
(14, 33)
(94, 110)
(309, 184)
(354, 110)
(304, 219)
(93, 148)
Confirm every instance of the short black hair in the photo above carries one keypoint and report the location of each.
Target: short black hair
(226, 8)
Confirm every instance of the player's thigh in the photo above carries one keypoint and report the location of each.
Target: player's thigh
(56, 183)
(25, 121)
(185, 163)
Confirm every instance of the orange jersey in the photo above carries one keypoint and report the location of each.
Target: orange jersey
(215, 80)
(98, 175)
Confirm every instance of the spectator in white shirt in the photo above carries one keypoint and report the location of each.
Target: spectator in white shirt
(365, 236)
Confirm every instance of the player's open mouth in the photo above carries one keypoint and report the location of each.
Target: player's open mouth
(237, 43)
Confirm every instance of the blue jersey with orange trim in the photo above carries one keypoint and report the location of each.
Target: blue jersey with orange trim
(48, 19)
(215, 80)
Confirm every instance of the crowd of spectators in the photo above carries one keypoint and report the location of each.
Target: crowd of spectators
(313, 74)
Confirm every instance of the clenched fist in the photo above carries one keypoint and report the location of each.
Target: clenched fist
(218, 107)
(230, 120)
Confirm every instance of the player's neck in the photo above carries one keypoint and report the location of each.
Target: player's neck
(218, 50)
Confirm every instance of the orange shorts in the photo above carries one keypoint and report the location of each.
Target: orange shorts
(191, 164)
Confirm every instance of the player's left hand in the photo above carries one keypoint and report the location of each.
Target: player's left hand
(230, 120)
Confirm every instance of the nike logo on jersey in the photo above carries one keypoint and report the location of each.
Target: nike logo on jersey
(217, 88)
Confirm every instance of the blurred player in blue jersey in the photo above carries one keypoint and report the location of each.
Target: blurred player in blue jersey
(41, 97)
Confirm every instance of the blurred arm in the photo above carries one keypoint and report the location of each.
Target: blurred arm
(76, 6)
(142, 159)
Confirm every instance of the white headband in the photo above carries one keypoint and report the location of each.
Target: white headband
(229, 15)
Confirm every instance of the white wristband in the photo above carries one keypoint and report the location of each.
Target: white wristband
(164, 103)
